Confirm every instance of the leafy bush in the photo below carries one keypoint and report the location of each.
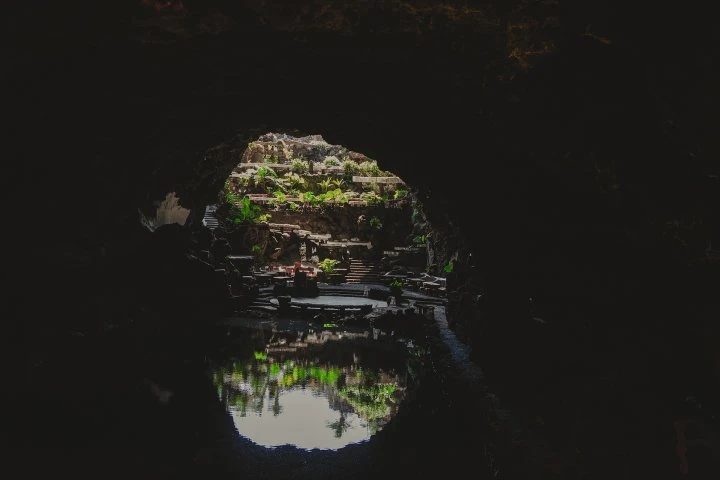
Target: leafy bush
(325, 184)
(299, 166)
(371, 198)
(309, 197)
(245, 212)
(350, 167)
(400, 194)
(449, 267)
(370, 168)
(327, 265)
(232, 198)
(294, 180)
(331, 161)
(265, 172)
(419, 240)
(375, 223)
(280, 197)
(336, 196)
(395, 283)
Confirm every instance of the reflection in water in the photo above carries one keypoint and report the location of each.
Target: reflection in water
(295, 390)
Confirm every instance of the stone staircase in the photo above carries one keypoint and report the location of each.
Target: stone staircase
(262, 302)
(209, 219)
(362, 271)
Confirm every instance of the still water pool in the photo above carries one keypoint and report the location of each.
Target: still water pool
(314, 389)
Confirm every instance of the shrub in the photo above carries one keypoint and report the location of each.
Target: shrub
(327, 265)
(245, 212)
(370, 168)
(399, 194)
(299, 166)
(350, 167)
(331, 161)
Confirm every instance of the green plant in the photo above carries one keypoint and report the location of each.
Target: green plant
(419, 240)
(449, 267)
(294, 180)
(395, 284)
(280, 197)
(370, 168)
(400, 194)
(325, 184)
(375, 223)
(336, 196)
(331, 161)
(256, 249)
(265, 177)
(245, 212)
(337, 182)
(350, 167)
(263, 218)
(299, 166)
(371, 198)
(327, 265)
(232, 198)
(309, 198)
(293, 206)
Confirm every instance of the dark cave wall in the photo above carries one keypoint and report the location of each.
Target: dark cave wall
(585, 175)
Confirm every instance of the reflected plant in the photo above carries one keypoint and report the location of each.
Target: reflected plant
(340, 426)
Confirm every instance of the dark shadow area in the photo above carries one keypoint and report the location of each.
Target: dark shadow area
(564, 153)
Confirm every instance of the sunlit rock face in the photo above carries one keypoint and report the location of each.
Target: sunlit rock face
(168, 211)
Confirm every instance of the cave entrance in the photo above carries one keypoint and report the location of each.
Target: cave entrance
(302, 210)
